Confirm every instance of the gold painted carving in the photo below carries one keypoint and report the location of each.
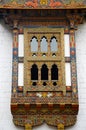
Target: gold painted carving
(60, 127)
(28, 127)
(43, 2)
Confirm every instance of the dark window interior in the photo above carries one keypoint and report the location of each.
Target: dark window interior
(34, 72)
(44, 72)
(54, 72)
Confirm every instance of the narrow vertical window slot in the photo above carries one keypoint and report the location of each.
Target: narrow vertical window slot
(21, 45)
(68, 74)
(67, 45)
(44, 72)
(20, 74)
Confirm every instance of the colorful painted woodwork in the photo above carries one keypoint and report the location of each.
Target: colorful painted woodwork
(41, 4)
(57, 106)
(42, 100)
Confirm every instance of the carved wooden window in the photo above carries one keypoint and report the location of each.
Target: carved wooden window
(54, 44)
(34, 72)
(43, 44)
(44, 72)
(34, 44)
(47, 63)
(44, 61)
(54, 72)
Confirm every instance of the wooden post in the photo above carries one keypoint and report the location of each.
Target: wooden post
(73, 63)
(15, 58)
(28, 127)
(73, 55)
(60, 127)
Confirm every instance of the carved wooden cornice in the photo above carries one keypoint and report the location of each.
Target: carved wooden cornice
(66, 18)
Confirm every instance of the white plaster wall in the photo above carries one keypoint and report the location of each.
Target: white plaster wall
(6, 73)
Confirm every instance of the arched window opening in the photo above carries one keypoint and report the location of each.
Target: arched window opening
(34, 44)
(44, 72)
(44, 44)
(34, 72)
(54, 72)
(54, 44)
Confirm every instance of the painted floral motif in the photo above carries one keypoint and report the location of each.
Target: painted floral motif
(33, 3)
(42, 3)
(55, 4)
